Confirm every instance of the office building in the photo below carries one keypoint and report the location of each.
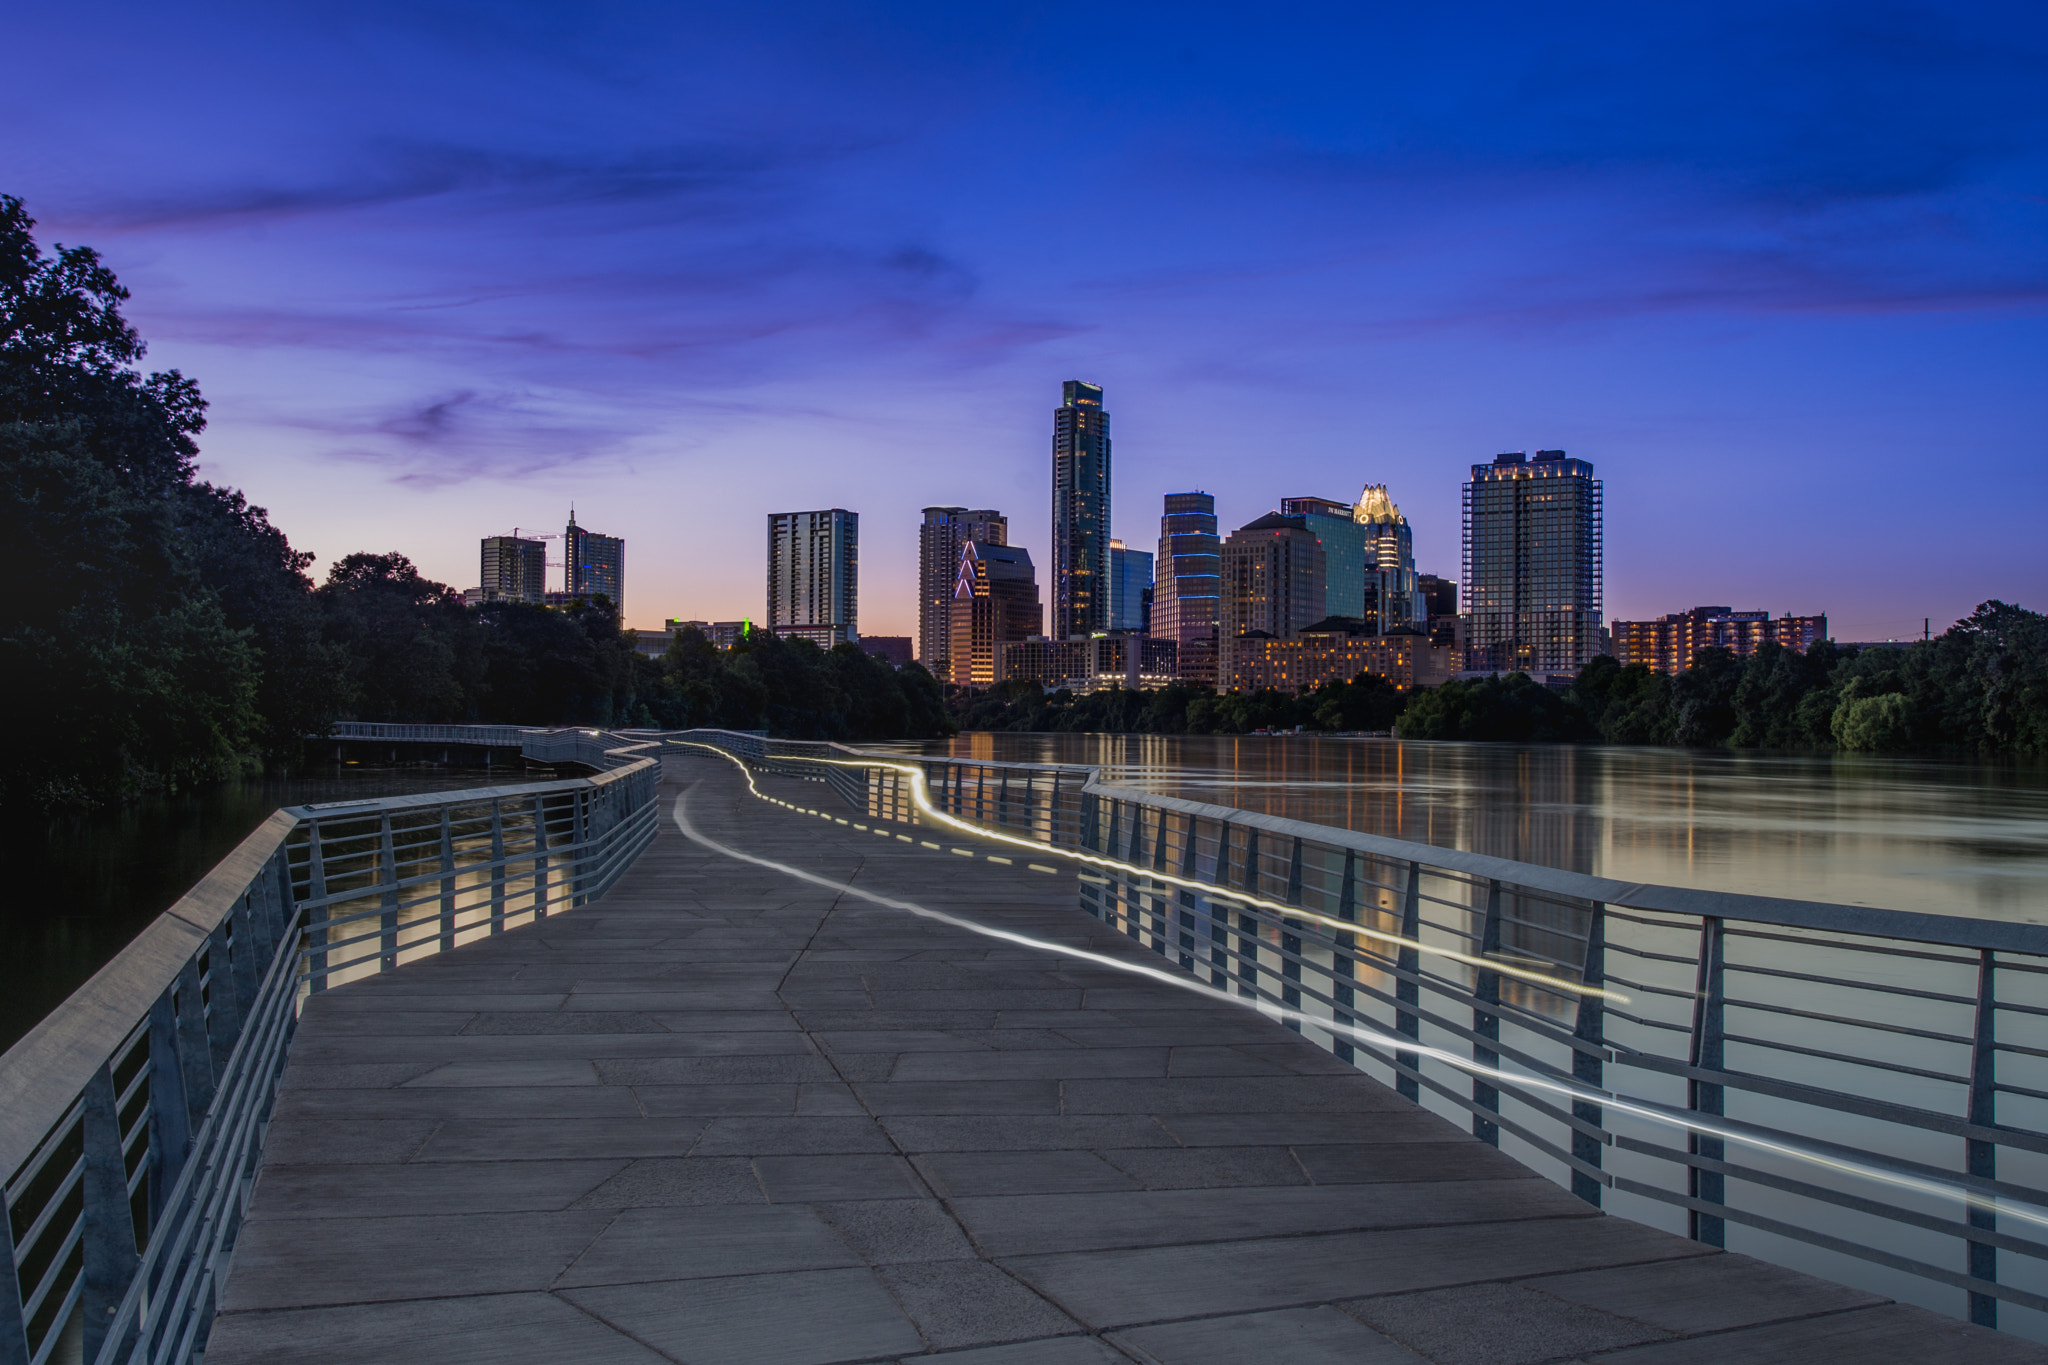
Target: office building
(1337, 649)
(814, 576)
(594, 566)
(1668, 644)
(1371, 555)
(1130, 588)
(894, 650)
(995, 601)
(1440, 602)
(1080, 512)
(1184, 593)
(514, 570)
(939, 539)
(1093, 664)
(1273, 583)
(1532, 565)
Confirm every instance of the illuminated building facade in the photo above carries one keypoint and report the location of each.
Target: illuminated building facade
(1370, 552)
(1273, 582)
(814, 575)
(1668, 644)
(1130, 588)
(995, 601)
(1185, 590)
(939, 539)
(1096, 664)
(1080, 512)
(1336, 649)
(594, 566)
(514, 570)
(1532, 564)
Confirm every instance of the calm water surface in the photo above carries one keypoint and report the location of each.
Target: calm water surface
(1942, 836)
(82, 887)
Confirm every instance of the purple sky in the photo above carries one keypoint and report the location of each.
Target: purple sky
(1779, 271)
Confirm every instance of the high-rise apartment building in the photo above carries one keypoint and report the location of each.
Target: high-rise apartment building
(1184, 593)
(1532, 564)
(995, 601)
(939, 539)
(1274, 582)
(1130, 588)
(514, 570)
(814, 575)
(1080, 512)
(594, 566)
(1668, 644)
(1440, 597)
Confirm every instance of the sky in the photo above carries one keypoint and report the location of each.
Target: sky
(1779, 271)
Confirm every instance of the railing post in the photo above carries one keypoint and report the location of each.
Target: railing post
(194, 1059)
(447, 881)
(13, 1326)
(1588, 1068)
(540, 858)
(1219, 915)
(1486, 1018)
(223, 1010)
(579, 814)
(170, 1132)
(1247, 923)
(497, 865)
(387, 875)
(1705, 1097)
(1187, 899)
(1341, 966)
(1980, 1156)
(316, 890)
(1290, 944)
(1408, 990)
(1162, 906)
(107, 1240)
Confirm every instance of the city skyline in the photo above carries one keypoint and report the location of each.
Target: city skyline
(769, 255)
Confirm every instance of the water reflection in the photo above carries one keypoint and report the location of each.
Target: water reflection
(1943, 836)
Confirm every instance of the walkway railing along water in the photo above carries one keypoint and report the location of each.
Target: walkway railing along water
(133, 1116)
(1861, 1084)
(1858, 1091)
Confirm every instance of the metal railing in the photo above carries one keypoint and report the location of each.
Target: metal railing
(1861, 1092)
(132, 1118)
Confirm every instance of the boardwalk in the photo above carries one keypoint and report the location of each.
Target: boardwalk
(728, 1117)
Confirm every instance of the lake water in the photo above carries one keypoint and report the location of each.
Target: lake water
(1941, 836)
(83, 886)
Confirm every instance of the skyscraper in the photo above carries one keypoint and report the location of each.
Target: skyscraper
(1080, 512)
(814, 575)
(1274, 582)
(939, 540)
(1532, 564)
(594, 565)
(995, 601)
(515, 570)
(1371, 555)
(1184, 594)
(1130, 588)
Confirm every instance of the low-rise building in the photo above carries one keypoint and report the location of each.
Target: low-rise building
(1090, 664)
(1668, 644)
(890, 649)
(1336, 649)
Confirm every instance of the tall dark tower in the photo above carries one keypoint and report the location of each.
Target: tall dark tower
(1080, 512)
(1185, 593)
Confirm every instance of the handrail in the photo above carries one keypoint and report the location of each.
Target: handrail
(1581, 1022)
(135, 1112)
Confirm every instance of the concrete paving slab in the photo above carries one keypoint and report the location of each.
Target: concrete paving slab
(493, 1329)
(1498, 1324)
(803, 1179)
(643, 1245)
(1298, 1336)
(971, 1303)
(807, 1318)
(1711, 1294)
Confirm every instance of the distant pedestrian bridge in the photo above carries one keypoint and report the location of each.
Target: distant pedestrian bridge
(739, 1049)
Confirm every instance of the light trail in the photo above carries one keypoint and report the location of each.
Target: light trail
(1372, 1038)
(922, 797)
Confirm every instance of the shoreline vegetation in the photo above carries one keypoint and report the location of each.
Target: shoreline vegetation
(1980, 688)
(160, 633)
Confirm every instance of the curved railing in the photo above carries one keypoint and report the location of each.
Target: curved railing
(132, 1118)
(1860, 1092)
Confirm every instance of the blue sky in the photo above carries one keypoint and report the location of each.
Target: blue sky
(1779, 271)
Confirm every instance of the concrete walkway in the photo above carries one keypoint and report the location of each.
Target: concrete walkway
(727, 1117)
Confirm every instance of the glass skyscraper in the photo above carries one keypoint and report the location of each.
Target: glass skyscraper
(1130, 588)
(1371, 555)
(1188, 583)
(1080, 512)
(594, 565)
(1532, 564)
